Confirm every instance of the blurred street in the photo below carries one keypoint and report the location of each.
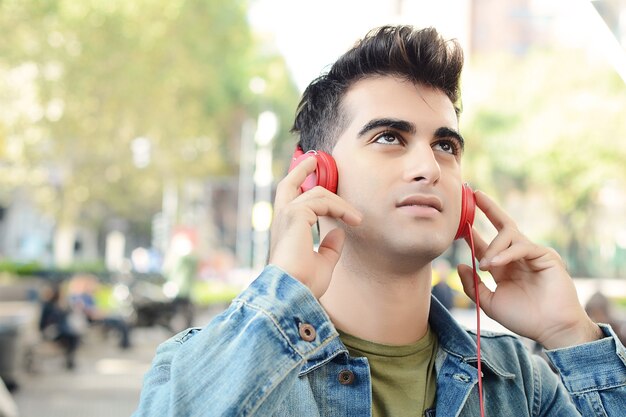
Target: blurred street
(106, 382)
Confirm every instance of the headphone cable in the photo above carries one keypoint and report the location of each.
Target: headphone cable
(476, 296)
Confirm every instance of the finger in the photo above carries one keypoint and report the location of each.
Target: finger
(466, 273)
(498, 217)
(324, 203)
(289, 187)
(486, 253)
(480, 245)
(503, 240)
(537, 257)
(331, 246)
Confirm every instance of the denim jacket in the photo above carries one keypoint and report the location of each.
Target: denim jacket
(275, 352)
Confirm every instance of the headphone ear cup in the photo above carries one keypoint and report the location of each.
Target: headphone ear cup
(326, 171)
(325, 174)
(468, 211)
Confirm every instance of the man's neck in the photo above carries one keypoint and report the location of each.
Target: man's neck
(379, 305)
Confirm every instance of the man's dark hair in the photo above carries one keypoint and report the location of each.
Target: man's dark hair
(420, 56)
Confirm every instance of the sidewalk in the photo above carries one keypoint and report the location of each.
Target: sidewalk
(106, 382)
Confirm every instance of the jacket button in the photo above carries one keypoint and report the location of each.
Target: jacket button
(346, 377)
(307, 332)
(462, 377)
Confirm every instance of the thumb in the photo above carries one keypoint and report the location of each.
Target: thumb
(331, 246)
(466, 273)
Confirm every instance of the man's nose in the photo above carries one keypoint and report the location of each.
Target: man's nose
(421, 164)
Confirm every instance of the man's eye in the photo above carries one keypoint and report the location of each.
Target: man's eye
(447, 146)
(388, 138)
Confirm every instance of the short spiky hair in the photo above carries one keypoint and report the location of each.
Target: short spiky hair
(420, 56)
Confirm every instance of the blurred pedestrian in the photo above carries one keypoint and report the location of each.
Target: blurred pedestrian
(181, 270)
(601, 310)
(58, 323)
(82, 289)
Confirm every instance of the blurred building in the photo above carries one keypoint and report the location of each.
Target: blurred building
(513, 26)
(25, 234)
(498, 26)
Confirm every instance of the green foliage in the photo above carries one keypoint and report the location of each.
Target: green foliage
(620, 302)
(20, 268)
(104, 73)
(550, 123)
(30, 269)
(208, 293)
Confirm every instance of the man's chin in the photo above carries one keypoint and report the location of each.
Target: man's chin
(422, 253)
(401, 245)
(414, 254)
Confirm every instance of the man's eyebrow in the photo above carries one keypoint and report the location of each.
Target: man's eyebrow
(446, 132)
(405, 126)
(396, 124)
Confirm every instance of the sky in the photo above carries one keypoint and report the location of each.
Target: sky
(312, 34)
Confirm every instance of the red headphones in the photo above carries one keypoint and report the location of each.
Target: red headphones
(468, 209)
(326, 175)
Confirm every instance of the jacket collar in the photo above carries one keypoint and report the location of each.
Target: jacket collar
(461, 343)
(453, 339)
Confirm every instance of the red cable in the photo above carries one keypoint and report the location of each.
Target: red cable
(478, 355)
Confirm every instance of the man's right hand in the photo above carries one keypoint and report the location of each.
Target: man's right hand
(295, 213)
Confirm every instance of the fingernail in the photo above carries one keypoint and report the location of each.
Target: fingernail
(483, 263)
(495, 259)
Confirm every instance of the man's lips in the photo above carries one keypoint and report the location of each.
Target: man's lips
(421, 200)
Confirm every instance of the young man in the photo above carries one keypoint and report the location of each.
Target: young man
(351, 329)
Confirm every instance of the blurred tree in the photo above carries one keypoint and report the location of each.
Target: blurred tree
(551, 123)
(110, 99)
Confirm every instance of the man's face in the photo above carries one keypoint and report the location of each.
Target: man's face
(399, 164)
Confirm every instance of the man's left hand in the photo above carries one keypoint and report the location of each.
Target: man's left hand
(535, 297)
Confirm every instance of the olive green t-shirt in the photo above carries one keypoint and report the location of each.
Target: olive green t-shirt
(403, 377)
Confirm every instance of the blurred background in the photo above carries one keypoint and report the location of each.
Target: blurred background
(141, 142)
